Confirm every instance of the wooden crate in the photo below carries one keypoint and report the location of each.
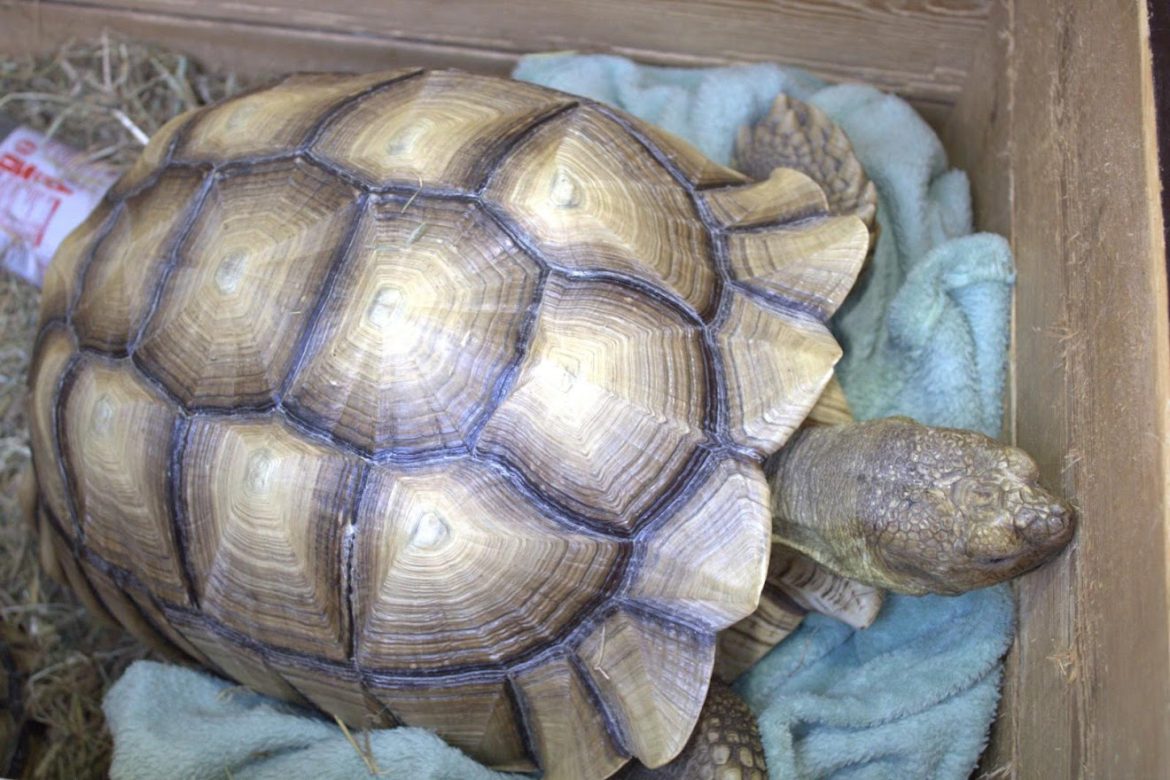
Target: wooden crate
(1049, 105)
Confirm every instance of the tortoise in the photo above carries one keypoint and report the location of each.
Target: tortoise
(430, 398)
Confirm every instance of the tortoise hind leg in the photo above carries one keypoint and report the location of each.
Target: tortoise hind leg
(725, 745)
(798, 135)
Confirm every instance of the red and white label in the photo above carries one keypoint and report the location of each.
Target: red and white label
(46, 190)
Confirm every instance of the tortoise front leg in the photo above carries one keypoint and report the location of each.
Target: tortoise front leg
(914, 509)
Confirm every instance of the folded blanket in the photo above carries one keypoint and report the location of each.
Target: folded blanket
(925, 334)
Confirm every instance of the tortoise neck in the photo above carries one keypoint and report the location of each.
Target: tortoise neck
(817, 479)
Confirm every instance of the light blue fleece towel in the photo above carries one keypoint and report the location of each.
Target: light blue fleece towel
(173, 723)
(925, 334)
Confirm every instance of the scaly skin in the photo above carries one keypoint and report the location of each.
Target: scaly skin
(914, 509)
(725, 745)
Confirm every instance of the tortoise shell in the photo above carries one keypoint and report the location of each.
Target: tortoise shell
(435, 399)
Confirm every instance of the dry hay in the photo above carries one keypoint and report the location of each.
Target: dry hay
(105, 97)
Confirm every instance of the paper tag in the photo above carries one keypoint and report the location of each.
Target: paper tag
(46, 190)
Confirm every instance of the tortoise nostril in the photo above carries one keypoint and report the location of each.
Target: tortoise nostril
(1042, 524)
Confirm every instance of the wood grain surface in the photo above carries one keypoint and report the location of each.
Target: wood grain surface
(918, 48)
(1059, 123)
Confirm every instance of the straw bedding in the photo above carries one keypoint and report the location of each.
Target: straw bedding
(105, 97)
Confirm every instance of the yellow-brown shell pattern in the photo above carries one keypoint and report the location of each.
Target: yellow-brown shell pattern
(428, 398)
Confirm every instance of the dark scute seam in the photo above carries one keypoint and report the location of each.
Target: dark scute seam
(522, 717)
(661, 157)
(349, 104)
(352, 178)
(171, 260)
(57, 323)
(800, 221)
(159, 636)
(244, 166)
(642, 286)
(693, 474)
(570, 635)
(64, 388)
(609, 720)
(686, 484)
(696, 630)
(349, 552)
(302, 349)
(82, 271)
(548, 504)
(45, 512)
(145, 371)
(520, 138)
(168, 156)
(314, 426)
(176, 505)
(506, 381)
(792, 308)
(719, 402)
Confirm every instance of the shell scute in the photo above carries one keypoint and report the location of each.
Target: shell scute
(54, 354)
(813, 264)
(697, 562)
(245, 281)
(512, 580)
(274, 120)
(131, 258)
(776, 366)
(265, 512)
(240, 661)
(591, 199)
(612, 393)
(654, 676)
(426, 132)
(422, 323)
(63, 276)
(570, 734)
(154, 158)
(116, 438)
(487, 724)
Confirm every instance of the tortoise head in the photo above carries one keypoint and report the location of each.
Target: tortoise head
(955, 510)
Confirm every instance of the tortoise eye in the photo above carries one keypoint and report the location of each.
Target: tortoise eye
(973, 493)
